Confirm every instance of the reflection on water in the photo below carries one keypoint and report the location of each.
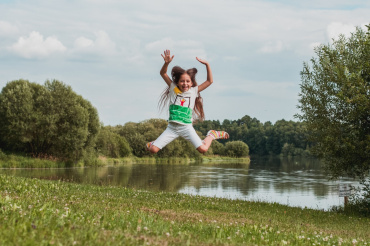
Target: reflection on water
(295, 182)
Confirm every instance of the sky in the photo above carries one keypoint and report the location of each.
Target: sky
(109, 51)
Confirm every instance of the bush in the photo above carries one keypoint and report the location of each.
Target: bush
(360, 200)
(236, 149)
(217, 148)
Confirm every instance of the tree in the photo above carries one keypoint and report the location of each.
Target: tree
(47, 120)
(335, 105)
(111, 144)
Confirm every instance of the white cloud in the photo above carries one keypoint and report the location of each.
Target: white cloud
(82, 43)
(35, 46)
(7, 29)
(102, 45)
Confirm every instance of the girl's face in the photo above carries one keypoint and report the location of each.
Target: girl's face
(185, 82)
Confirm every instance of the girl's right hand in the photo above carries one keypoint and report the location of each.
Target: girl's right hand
(167, 56)
(202, 61)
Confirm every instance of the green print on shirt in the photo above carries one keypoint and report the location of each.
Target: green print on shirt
(180, 114)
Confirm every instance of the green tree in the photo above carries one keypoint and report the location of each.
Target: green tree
(236, 149)
(335, 105)
(19, 122)
(135, 138)
(47, 120)
(111, 144)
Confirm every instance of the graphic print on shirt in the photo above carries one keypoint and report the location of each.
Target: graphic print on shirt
(183, 101)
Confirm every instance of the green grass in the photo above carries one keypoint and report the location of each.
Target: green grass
(18, 161)
(215, 159)
(172, 160)
(145, 160)
(40, 212)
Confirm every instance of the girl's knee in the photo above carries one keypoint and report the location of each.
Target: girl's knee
(153, 149)
(202, 149)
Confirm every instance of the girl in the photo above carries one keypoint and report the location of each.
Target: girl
(185, 102)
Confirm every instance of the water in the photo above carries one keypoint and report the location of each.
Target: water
(294, 182)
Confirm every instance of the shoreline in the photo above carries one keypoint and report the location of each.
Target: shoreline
(17, 161)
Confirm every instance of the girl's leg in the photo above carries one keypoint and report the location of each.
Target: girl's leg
(212, 135)
(165, 138)
(152, 148)
(206, 143)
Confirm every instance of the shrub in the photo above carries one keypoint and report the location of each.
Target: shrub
(236, 149)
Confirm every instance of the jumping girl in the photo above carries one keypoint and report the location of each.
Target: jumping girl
(185, 102)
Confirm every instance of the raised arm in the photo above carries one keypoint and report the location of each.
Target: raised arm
(209, 80)
(167, 59)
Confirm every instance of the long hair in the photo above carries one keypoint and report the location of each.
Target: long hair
(176, 72)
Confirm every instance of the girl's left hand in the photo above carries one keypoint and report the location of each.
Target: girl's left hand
(202, 61)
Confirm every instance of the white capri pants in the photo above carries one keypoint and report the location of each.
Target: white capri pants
(174, 131)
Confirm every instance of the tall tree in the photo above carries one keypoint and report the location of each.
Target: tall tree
(111, 144)
(335, 105)
(47, 120)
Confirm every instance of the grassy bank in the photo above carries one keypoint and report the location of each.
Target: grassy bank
(18, 161)
(173, 160)
(39, 212)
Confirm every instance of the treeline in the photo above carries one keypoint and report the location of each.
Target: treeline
(247, 136)
(52, 121)
(138, 134)
(283, 137)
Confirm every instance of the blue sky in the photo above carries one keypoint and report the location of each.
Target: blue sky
(109, 51)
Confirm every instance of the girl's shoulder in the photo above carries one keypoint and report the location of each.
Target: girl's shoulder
(172, 85)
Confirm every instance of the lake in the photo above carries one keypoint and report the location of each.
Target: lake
(297, 182)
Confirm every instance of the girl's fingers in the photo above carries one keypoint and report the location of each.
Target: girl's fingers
(166, 53)
(200, 60)
(167, 56)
